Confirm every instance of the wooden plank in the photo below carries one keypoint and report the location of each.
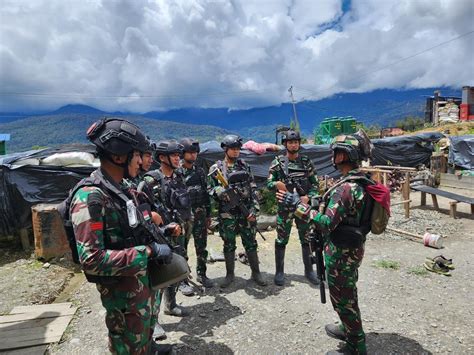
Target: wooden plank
(9, 318)
(30, 323)
(52, 332)
(33, 350)
(24, 239)
(41, 307)
(447, 194)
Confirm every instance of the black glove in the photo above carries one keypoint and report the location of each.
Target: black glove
(161, 252)
(291, 200)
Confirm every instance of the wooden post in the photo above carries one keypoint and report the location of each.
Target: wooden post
(472, 209)
(435, 201)
(24, 239)
(423, 199)
(385, 178)
(406, 195)
(452, 208)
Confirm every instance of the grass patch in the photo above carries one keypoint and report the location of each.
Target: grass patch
(36, 265)
(418, 271)
(387, 264)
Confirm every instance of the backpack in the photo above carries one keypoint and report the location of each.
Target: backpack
(64, 212)
(376, 193)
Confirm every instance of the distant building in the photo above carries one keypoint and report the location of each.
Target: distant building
(3, 145)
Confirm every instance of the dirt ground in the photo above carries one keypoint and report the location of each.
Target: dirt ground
(405, 309)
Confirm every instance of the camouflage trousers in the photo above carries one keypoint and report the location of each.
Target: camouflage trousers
(342, 266)
(284, 224)
(196, 228)
(129, 314)
(229, 228)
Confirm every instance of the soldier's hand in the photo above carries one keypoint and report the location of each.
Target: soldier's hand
(251, 218)
(290, 200)
(174, 229)
(208, 222)
(156, 218)
(160, 252)
(281, 186)
(304, 199)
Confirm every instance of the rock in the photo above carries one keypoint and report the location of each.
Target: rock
(75, 341)
(434, 325)
(46, 265)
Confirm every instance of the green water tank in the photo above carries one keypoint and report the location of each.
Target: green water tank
(348, 125)
(334, 127)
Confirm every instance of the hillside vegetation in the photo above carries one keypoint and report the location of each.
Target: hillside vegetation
(53, 130)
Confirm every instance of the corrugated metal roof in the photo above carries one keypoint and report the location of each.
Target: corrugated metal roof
(4, 137)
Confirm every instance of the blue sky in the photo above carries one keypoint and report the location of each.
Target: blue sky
(147, 55)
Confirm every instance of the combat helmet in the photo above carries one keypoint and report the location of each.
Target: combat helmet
(290, 135)
(190, 145)
(357, 146)
(168, 147)
(115, 136)
(231, 141)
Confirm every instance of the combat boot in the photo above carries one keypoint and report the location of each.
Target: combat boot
(308, 265)
(205, 281)
(160, 349)
(170, 306)
(253, 262)
(335, 331)
(158, 333)
(280, 265)
(229, 267)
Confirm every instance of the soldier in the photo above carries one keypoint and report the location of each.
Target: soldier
(196, 182)
(111, 251)
(173, 204)
(292, 172)
(231, 183)
(345, 223)
(147, 161)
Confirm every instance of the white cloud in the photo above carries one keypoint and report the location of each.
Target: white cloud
(146, 55)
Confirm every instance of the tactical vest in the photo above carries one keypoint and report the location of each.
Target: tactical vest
(130, 236)
(351, 232)
(174, 197)
(295, 178)
(194, 184)
(238, 179)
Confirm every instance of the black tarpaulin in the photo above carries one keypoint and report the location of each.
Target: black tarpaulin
(408, 151)
(461, 151)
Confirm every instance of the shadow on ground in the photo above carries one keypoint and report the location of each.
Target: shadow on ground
(392, 343)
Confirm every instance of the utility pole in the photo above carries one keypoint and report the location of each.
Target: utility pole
(295, 117)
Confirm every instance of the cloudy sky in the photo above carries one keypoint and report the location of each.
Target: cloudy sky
(142, 55)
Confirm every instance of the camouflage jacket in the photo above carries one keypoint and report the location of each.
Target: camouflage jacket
(98, 224)
(196, 182)
(300, 170)
(215, 188)
(346, 202)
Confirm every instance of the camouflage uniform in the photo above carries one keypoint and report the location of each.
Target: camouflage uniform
(120, 272)
(195, 179)
(279, 171)
(343, 256)
(155, 182)
(232, 223)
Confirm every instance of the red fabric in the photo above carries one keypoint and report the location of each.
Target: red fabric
(381, 194)
(97, 226)
(255, 147)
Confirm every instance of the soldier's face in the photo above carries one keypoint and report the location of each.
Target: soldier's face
(174, 159)
(134, 164)
(147, 160)
(233, 153)
(293, 146)
(190, 156)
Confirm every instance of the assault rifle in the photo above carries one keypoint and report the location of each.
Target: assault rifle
(316, 242)
(293, 181)
(235, 200)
